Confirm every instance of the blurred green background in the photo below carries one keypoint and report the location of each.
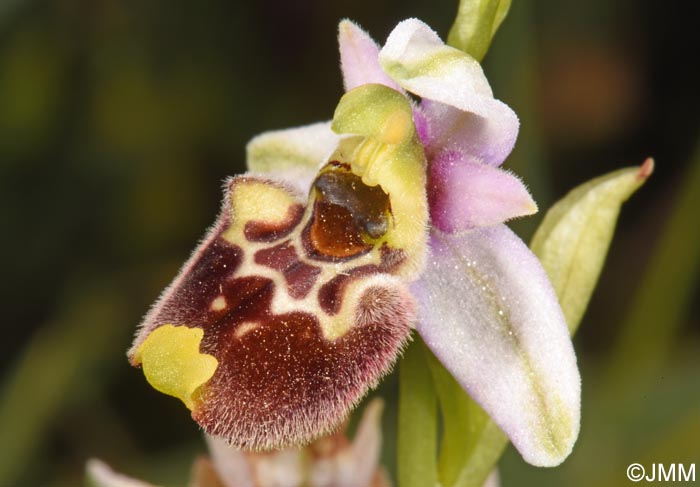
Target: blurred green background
(119, 121)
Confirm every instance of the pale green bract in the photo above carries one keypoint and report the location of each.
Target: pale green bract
(574, 237)
(476, 23)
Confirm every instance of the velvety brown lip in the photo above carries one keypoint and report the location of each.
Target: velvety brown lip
(282, 380)
(279, 380)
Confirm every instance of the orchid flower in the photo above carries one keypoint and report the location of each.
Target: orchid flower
(343, 238)
(329, 461)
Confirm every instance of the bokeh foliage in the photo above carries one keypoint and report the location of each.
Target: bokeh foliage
(120, 119)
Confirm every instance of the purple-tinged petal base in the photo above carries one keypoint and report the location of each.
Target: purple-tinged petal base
(489, 313)
(464, 194)
(488, 137)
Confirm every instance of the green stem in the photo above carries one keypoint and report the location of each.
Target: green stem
(471, 443)
(417, 436)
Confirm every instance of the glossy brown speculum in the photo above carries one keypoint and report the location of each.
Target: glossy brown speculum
(369, 206)
(348, 215)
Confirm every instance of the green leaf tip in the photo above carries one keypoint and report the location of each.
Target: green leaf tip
(574, 237)
(476, 23)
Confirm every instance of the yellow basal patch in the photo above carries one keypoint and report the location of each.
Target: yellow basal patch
(172, 362)
(254, 200)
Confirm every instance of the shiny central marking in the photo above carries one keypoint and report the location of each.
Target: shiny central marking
(348, 216)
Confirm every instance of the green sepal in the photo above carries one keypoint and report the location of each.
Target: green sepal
(298, 149)
(575, 235)
(417, 433)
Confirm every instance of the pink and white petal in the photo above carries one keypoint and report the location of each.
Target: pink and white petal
(99, 474)
(417, 59)
(494, 479)
(357, 464)
(359, 58)
(486, 138)
(489, 313)
(230, 464)
(463, 194)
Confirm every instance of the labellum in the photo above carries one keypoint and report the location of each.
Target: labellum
(286, 314)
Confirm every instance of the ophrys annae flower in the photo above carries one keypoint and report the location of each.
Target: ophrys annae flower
(347, 235)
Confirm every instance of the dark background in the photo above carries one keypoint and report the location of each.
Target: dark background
(120, 119)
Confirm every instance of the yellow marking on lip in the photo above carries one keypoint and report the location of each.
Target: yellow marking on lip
(253, 200)
(172, 362)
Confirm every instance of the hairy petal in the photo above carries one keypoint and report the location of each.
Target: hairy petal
(342, 464)
(464, 194)
(230, 463)
(466, 117)
(489, 313)
(293, 154)
(359, 58)
(488, 139)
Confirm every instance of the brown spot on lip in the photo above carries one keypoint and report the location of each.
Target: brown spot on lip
(299, 276)
(200, 286)
(262, 231)
(330, 295)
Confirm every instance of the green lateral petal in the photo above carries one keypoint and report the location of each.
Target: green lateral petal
(574, 237)
(294, 153)
(476, 23)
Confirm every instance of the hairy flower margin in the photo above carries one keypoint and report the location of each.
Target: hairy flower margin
(330, 461)
(286, 313)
